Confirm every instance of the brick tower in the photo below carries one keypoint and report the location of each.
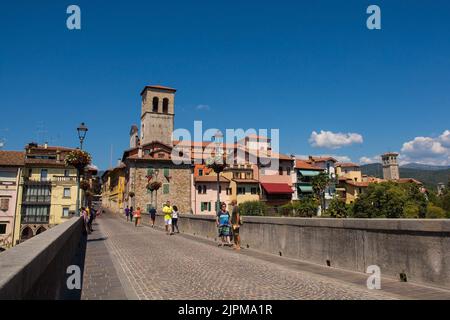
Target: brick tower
(157, 115)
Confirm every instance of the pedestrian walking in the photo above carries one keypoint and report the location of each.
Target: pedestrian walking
(223, 224)
(85, 216)
(137, 217)
(236, 224)
(167, 210)
(127, 213)
(153, 216)
(131, 214)
(175, 220)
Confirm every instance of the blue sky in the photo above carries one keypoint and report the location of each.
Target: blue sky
(300, 66)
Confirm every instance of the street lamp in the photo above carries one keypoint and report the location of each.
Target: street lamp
(82, 130)
(218, 140)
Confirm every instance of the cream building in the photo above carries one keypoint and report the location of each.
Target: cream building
(47, 191)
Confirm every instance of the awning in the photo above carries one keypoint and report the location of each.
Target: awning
(306, 188)
(277, 188)
(308, 173)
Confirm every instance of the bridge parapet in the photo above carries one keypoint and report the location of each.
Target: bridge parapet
(36, 268)
(417, 248)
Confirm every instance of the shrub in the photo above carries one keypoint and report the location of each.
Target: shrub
(306, 207)
(434, 212)
(253, 208)
(337, 208)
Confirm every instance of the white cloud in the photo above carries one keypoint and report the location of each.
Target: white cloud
(427, 150)
(202, 107)
(369, 160)
(331, 140)
(444, 138)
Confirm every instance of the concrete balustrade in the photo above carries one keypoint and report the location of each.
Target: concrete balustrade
(36, 269)
(417, 248)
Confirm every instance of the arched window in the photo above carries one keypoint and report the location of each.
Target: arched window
(27, 233)
(40, 230)
(165, 105)
(155, 104)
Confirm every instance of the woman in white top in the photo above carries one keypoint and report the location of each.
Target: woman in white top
(175, 219)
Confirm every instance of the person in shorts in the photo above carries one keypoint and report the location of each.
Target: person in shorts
(167, 210)
(175, 220)
(152, 215)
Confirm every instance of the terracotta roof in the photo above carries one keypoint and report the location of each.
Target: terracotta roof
(408, 180)
(322, 159)
(277, 188)
(158, 87)
(245, 181)
(347, 164)
(304, 165)
(210, 179)
(12, 158)
(358, 184)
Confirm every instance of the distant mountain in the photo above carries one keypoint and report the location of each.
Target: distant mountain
(421, 166)
(429, 177)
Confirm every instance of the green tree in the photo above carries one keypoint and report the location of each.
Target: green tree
(337, 208)
(435, 212)
(381, 200)
(320, 183)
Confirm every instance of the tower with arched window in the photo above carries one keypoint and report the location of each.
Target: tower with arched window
(157, 115)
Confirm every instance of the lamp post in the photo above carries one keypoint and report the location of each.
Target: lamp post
(218, 139)
(82, 130)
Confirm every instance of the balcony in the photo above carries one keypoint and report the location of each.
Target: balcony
(65, 179)
(37, 219)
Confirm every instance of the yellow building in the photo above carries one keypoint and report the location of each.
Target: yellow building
(243, 186)
(47, 191)
(351, 183)
(113, 189)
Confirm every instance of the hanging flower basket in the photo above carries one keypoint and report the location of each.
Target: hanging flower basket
(131, 194)
(78, 158)
(155, 185)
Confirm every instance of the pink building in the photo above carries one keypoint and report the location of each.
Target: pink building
(204, 193)
(11, 163)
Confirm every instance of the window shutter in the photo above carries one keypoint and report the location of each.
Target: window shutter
(166, 188)
(209, 206)
(166, 172)
(150, 171)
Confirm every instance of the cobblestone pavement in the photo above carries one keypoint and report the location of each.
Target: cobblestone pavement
(153, 265)
(100, 279)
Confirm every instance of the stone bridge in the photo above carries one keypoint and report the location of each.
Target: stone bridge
(281, 258)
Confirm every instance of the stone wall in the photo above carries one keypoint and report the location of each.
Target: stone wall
(418, 248)
(36, 268)
(179, 185)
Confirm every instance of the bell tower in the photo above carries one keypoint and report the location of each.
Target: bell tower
(390, 166)
(157, 114)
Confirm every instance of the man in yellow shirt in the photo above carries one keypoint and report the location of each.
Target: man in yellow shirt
(167, 210)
